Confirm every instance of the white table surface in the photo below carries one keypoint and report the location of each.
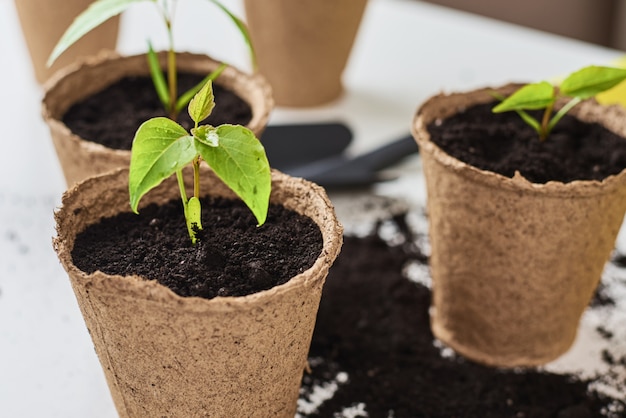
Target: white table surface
(405, 52)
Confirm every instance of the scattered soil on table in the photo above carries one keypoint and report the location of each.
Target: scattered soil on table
(503, 143)
(373, 347)
(601, 298)
(233, 257)
(112, 116)
(619, 260)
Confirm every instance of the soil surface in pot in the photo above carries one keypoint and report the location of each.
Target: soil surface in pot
(233, 256)
(504, 143)
(129, 102)
(373, 354)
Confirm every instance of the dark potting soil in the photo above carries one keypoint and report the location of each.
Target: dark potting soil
(131, 101)
(233, 256)
(503, 143)
(373, 327)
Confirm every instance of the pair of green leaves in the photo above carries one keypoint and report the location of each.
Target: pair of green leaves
(162, 147)
(102, 10)
(578, 86)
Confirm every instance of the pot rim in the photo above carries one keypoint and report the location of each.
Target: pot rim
(445, 104)
(132, 287)
(254, 89)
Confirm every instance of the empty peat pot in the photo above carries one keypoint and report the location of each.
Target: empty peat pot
(303, 46)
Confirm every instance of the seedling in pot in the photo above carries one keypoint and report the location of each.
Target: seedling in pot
(102, 10)
(162, 147)
(578, 86)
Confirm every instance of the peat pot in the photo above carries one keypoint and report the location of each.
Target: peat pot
(167, 355)
(514, 263)
(303, 46)
(44, 22)
(82, 157)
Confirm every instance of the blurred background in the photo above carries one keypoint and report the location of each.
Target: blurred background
(601, 22)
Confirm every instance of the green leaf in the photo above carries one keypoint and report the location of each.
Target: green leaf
(529, 97)
(243, 29)
(160, 148)
(186, 97)
(158, 78)
(97, 13)
(241, 163)
(496, 95)
(193, 211)
(589, 81)
(559, 115)
(534, 123)
(202, 104)
(207, 135)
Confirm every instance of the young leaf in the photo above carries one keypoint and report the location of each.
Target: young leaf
(241, 163)
(589, 81)
(559, 115)
(202, 104)
(522, 113)
(207, 135)
(530, 120)
(193, 212)
(158, 78)
(186, 97)
(97, 13)
(530, 97)
(160, 148)
(243, 29)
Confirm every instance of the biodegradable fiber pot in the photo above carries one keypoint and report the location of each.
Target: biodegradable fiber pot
(43, 23)
(166, 355)
(514, 264)
(303, 46)
(81, 158)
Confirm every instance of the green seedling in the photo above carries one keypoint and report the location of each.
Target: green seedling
(578, 86)
(102, 10)
(162, 147)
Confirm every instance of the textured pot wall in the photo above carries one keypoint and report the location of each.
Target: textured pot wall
(81, 158)
(43, 23)
(303, 46)
(514, 264)
(164, 355)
